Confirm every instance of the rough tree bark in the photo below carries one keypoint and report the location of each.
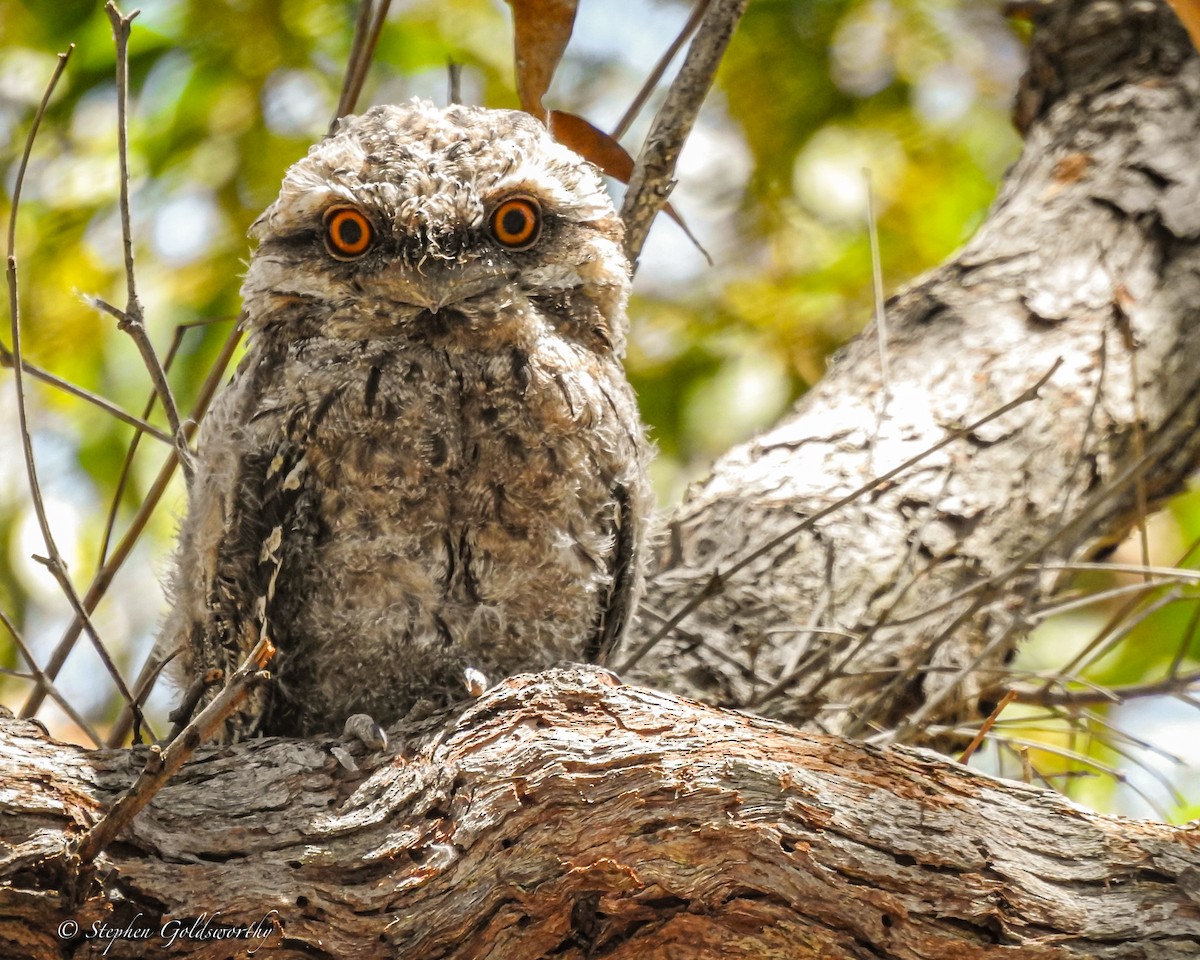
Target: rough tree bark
(1089, 257)
(567, 816)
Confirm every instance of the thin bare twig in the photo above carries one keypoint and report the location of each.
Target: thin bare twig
(899, 592)
(1119, 734)
(1126, 627)
(35, 673)
(162, 763)
(881, 334)
(54, 561)
(1169, 574)
(915, 720)
(351, 85)
(1088, 426)
(1167, 686)
(141, 690)
(127, 465)
(987, 725)
(7, 360)
(651, 181)
(362, 51)
(982, 590)
(1016, 677)
(1054, 749)
(14, 307)
(1111, 489)
(1115, 739)
(104, 576)
(1079, 601)
(181, 716)
(1185, 643)
(877, 289)
(660, 68)
(803, 660)
(1125, 327)
(131, 320)
(1104, 639)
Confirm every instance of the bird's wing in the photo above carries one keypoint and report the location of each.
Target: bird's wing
(618, 600)
(269, 524)
(251, 517)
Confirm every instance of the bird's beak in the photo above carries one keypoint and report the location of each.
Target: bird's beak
(439, 287)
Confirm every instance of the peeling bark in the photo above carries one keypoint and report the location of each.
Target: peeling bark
(561, 815)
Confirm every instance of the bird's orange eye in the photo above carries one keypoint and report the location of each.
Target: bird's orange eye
(348, 232)
(517, 222)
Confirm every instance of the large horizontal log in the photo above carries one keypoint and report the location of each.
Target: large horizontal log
(562, 815)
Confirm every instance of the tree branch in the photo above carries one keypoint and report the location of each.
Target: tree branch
(650, 183)
(936, 576)
(562, 815)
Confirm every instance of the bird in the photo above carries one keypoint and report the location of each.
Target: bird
(430, 462)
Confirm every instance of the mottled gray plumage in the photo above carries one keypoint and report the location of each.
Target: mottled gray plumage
(430, 458)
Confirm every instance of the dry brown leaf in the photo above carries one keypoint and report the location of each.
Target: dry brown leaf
(597, 147)
(541, 29)
(591, 143)
(1189, 13)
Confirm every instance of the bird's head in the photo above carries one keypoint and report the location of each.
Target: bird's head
(413, 216)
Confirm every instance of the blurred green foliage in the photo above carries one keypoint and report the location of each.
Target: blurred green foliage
(227, 93)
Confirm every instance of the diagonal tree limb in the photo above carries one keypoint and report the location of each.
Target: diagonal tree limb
(651, 182)
(1082, 241)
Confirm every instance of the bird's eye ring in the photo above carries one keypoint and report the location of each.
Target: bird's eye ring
(348, 233)
(516, 222)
